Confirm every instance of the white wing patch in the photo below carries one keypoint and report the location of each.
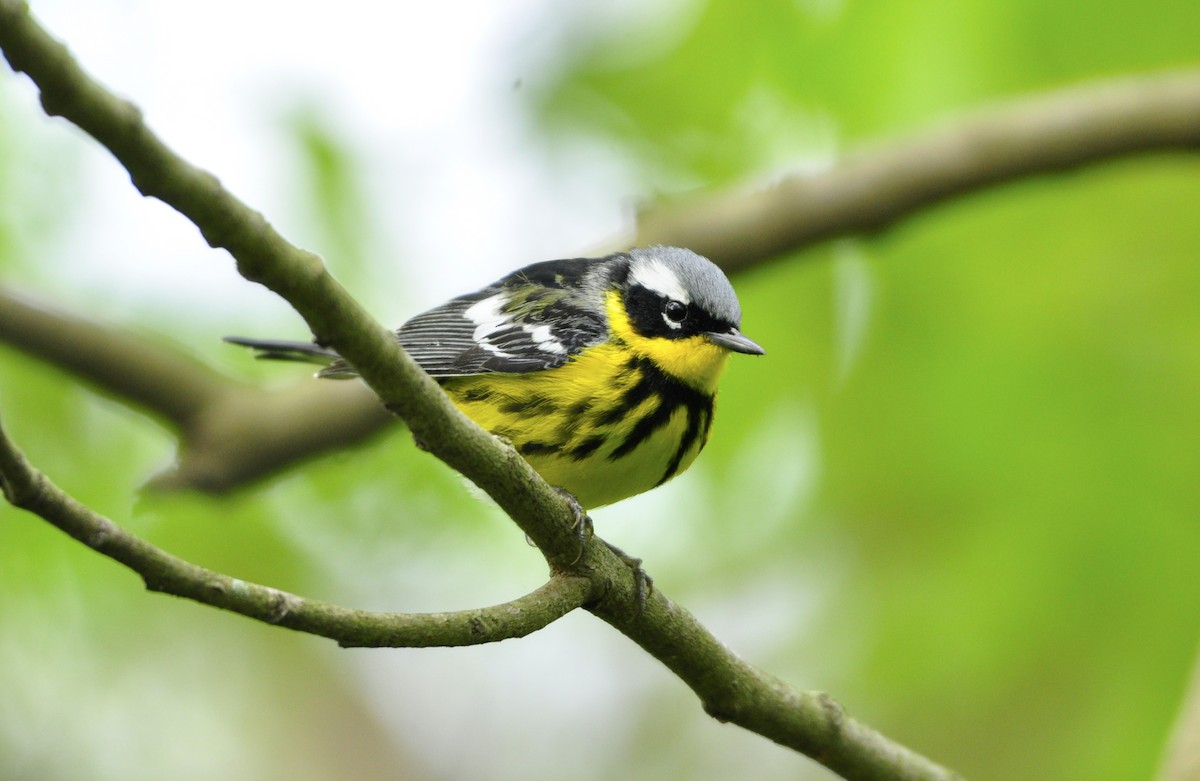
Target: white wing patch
(489, 319)
(545, 339)
(486, 309)
(487, 316)
(655, 275)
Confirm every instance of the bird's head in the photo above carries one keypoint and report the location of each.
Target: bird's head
(678, 309)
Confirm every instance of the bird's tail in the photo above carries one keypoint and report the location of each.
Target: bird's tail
(302, 352)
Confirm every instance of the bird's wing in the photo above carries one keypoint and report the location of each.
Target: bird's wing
(531, 320)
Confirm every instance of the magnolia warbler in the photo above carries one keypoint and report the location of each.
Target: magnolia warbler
(601, 372)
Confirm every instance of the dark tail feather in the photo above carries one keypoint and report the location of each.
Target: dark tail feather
(303, 352)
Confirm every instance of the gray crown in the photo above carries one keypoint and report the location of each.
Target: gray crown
(699, 279)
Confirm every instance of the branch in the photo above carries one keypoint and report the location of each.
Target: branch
(28, 489)
(730, 688)
(154, 378)
(230, 433)
(879, 186)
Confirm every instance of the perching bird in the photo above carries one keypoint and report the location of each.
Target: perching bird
(601, 372)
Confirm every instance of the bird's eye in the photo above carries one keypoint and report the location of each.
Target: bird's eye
(675, 311)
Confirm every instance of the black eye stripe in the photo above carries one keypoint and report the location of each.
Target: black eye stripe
(648, 313)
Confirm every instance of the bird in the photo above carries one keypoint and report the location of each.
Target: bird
(601, 372)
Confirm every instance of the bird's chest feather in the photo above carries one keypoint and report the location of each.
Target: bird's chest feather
(604, 426)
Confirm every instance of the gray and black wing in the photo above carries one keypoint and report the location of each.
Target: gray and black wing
(533, 319)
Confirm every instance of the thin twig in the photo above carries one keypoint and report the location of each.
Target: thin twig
(30, 490)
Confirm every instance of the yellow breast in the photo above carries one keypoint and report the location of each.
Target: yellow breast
(606, 425)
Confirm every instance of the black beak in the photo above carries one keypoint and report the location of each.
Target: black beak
(735, 341)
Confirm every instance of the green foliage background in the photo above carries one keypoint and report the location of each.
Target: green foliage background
(960, 493)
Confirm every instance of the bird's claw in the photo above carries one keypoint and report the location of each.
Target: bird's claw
(642, 582)
(584, 529)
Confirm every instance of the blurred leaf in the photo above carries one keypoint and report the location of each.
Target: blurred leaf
(331, 193)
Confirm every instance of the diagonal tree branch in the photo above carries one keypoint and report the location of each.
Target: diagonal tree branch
(730, 688)
(231, 435)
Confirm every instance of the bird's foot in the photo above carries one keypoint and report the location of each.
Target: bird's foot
(642, 582)
(584, 529)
